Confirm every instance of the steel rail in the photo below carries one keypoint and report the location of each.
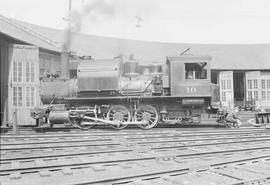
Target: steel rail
(83, 139)
(125, 149)
(173, 170)
(119, 143)
(152, 156)
(124, 133)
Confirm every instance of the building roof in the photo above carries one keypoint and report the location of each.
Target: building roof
(25, 34)
(224, 56)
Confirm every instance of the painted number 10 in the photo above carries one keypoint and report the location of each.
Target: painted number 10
(191, 89)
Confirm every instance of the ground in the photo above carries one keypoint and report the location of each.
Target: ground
(201, 155)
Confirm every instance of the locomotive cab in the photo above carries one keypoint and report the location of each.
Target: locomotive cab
(189, 76)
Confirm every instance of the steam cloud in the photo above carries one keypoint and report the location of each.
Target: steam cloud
(95, 8)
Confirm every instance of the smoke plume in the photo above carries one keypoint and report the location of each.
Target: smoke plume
(93, 10)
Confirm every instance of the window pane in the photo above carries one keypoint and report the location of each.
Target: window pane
(223, 96)
(27, 94)
(249, 84)
(263, 95)
(256, 95)
(32, 96)
(27, 72)
(268, 95)
(249, 95)
(20, 96)
(15, 72)
(32, 72)
(223, 85)
(15, 98)
(229, 84)
(20, 73)
(263, 84)
(268, 84)
(255, 83)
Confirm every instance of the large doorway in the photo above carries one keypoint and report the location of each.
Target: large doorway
(23, 83)
(239, 87)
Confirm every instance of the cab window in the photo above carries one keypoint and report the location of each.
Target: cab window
(196, 70)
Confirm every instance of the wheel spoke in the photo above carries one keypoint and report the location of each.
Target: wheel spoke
(118, 114)
(148, 115)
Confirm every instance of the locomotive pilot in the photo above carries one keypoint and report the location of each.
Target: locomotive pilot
(233, 118)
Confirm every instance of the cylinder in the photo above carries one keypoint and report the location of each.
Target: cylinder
(65, 65)
(59, 117)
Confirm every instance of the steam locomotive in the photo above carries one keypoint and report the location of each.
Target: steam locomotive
(109, 92)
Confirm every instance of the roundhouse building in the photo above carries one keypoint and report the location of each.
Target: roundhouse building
(27, 51)
(24, 55)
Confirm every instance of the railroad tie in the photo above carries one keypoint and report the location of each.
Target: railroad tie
(15, 176)
(166, 159)
(39, 162)
(193, 169)
(137, 182)
(67, 171)
(44, 173)
(15, 164)
(125, 165)
(98, 168)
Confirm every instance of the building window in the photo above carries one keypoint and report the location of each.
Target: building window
(249, 84)
(223, 96)
(30, 96)
(223, 84)
(263, 84)
(255, 84)
(229, 84)
(17, 96)
(256, 95)
(249, 95)
(268, 95)
(263, 96)
(29, 72)
(17, 71)
(268, 83)
(27, 96)
(32, 73)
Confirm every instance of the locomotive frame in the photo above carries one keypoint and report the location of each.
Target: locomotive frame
(180, 94)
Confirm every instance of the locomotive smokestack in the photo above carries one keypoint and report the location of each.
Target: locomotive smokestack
(65, 65)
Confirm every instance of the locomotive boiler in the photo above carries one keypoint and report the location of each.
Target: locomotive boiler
(108, 92)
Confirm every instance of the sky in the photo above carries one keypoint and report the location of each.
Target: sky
(181, 21)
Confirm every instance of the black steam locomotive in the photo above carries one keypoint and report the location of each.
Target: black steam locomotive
(109, 92)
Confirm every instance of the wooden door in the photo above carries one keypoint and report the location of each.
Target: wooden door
(226, 88)
(265, 89)
(23, 82)
(253, 92)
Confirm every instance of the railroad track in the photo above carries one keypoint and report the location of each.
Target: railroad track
(158, 156)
